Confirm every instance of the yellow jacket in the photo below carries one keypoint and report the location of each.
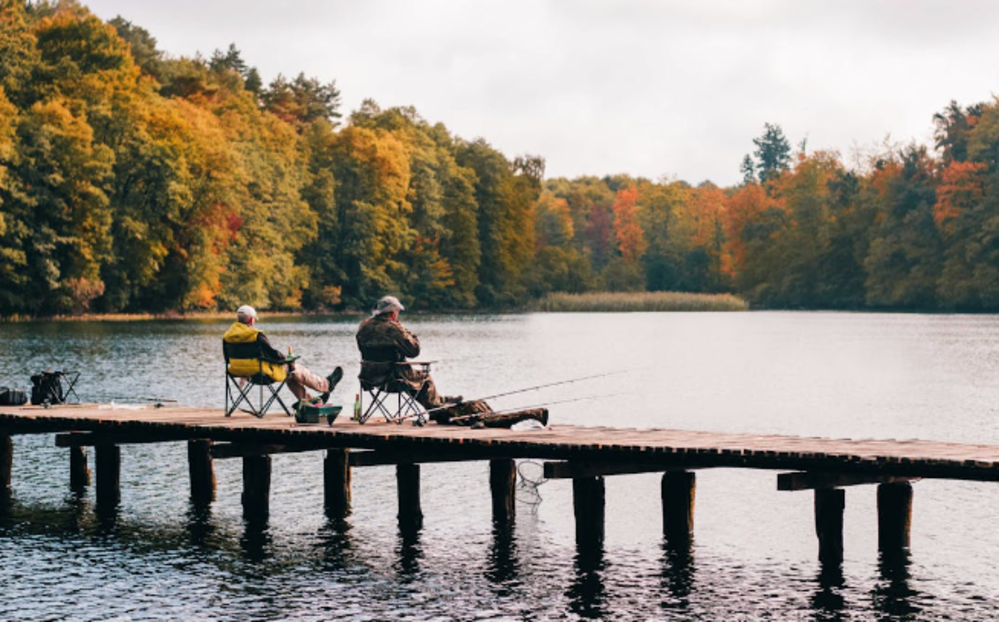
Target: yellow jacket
(241, 363)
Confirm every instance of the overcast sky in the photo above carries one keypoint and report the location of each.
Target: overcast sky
(646, 87)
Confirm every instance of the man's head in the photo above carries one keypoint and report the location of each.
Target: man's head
(388, 305)
(247, 315)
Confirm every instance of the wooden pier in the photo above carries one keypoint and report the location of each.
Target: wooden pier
(587, 455)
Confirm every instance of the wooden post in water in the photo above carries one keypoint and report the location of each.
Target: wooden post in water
(678, 488)
(79, 472)
(256, 486)
(588, 507)
(894, 516)
(503, 484)
(336, 483)
(107, 459)
(6, 462)
(202, 469)
(410, 512)
(829, 505)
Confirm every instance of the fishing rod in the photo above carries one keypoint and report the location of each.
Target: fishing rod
(448, 405)
(140, 399)
(554, 384)
(521, 408)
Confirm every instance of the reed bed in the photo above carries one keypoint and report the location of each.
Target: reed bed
(623, 302)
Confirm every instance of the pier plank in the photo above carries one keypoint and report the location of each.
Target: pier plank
(604, 445)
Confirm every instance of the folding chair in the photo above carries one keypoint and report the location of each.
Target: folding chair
(69, 378)
(238, 389)
(393, 383)
(50, 388)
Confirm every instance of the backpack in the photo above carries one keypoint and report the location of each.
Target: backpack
(12, 397)
(46, 387)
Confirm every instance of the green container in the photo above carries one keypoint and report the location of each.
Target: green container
(314, 413)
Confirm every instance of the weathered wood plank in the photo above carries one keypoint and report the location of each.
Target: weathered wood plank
(256, 487)
(829, 506)
(408, 484)
(136, 437)
(108, 462)
(678, 492)
(202, 471)
(659, 448)
(387, 457)
(588, 501)
(79, 472)
(225, 451)
(503, 486)
(6, 462)
(572, 470)
(337, 483)
(813, 480)
(894, 517)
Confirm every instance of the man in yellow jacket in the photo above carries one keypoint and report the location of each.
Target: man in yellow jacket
(243, 362)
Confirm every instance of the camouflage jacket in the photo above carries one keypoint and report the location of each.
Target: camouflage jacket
(383, 343)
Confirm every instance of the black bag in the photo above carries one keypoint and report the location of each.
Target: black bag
(12, 397)
(46, 386)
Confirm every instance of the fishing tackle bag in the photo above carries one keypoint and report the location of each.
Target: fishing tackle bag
(12, 397)
(46, 386)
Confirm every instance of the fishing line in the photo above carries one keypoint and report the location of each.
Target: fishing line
(520, 408)
(448, 405)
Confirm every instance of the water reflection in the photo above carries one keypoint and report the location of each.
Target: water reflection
(337, 545)
(256, 540)
(853, 374)
(828, 601)
(893, 595)
(410, 552)
(79, 512)
(504, 566)
(6, 511)
(107, 515)
(201, 529)
(587, 593)
(677, 574)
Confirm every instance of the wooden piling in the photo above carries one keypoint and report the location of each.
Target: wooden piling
(79, 471)
(256, 487)
(678, 488)
(829, 505)
(410, 512)
(107, 459)
(894, 516)
(202, 470)
(503, 484)
(337, 483)
(588, 507)
(6, 462)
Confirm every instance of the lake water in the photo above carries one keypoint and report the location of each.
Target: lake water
(754, 550)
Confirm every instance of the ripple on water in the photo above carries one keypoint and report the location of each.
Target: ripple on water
(753, 557)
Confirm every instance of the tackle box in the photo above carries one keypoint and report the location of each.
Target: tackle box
(314, 413)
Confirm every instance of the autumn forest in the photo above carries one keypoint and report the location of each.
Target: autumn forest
(133, 181)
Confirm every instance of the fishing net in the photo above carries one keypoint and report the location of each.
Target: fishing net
(530, 476)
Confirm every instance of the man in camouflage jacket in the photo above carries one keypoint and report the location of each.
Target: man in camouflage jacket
(384, 343)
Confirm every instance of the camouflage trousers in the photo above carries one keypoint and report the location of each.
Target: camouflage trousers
(427, 395)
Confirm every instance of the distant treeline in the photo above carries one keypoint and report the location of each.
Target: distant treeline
(131, 181)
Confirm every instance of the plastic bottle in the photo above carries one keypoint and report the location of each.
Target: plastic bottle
(357, 407)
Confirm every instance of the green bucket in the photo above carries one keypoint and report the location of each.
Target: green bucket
(314, 413)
